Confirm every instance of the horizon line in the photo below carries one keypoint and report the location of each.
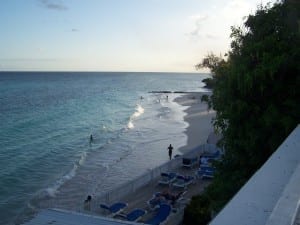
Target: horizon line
(87, 71)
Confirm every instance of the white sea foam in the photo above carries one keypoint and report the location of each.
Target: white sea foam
(139, 110)
(130, 125)
(52, 191)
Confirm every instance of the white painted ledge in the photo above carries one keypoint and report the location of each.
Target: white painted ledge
(273, 192)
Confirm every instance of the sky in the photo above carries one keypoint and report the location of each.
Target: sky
(116, 35)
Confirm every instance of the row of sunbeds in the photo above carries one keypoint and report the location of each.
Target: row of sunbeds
(176, 180)
(206, 169)
(116, 209)
(205, 158)
(172, 180)
(161, 205)
(159, 198)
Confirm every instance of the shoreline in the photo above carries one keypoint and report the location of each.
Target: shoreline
(198, 131)
(199, 120)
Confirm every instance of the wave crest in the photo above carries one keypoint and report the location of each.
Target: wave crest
(139, 110)
(52, 191)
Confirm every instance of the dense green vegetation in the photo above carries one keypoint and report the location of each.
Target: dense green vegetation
(256, 95)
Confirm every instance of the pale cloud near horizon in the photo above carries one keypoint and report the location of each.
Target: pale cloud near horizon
(29, 60)
(208, 30)
(135, 35)
(199, 23)
(53, 4)
(217, 23)
(236, 11)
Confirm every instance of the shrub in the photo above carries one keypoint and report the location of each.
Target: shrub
(198, 211)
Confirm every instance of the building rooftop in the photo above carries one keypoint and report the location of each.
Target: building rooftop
(63, 217)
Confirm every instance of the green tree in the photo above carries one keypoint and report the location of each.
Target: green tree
(256, 94)
(198, 211)
(212, 62)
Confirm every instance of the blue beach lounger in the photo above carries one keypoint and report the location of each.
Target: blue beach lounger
(183, 181)
(114, 208)
(134, 215)
(189, 162)
(205, 172)
(208, 174)
(167, 178)
(161, 215)
(215, 155)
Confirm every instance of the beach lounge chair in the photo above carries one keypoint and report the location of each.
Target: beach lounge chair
(207, 160)
(114, 208)
(189, 162)
(133, 216)
(162, 214)
(205, 172)
(183, 181)
(208, 174)
(173, 198)
(216, 155)
(167, 178)
(156, 201)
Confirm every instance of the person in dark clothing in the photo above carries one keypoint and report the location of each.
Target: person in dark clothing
(170, 151)
(87, 203)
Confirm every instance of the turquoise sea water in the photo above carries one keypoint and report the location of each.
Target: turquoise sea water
(46, 119)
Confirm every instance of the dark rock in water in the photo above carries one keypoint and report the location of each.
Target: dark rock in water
(175, 92)
(160, 92)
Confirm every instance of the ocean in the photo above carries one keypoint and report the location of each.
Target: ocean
(46, 157)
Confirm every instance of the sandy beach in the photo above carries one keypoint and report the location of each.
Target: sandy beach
(199, 119)
(198, 131)
(136, 194)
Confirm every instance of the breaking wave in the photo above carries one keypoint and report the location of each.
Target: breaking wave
(139, 110)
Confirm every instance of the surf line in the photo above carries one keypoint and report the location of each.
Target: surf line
(139, 110)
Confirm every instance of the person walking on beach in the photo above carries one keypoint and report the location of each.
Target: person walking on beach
(87, 203)
(170, 151)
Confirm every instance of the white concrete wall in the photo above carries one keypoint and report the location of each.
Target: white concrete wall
(271, 196)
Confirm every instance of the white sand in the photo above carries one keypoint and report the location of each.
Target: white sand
(199, 119)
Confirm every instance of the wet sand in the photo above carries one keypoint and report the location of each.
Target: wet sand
(199, 119)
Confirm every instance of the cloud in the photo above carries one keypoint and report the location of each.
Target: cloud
(53, 5)
(199, 21)
(201, 28)
(28, 59)
(235, 11)
(211, 36)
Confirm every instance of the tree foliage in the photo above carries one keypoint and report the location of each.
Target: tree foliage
(198, 211)
(256, 94)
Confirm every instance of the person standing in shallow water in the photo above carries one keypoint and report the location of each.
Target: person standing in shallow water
(170, 151)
